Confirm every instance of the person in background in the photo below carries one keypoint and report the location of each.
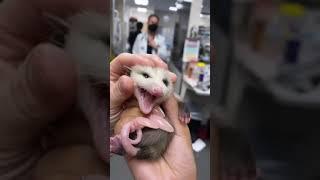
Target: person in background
(151, 42)
(133, 35)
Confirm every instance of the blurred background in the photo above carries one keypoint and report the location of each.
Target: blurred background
(185, 27)
(266, 89)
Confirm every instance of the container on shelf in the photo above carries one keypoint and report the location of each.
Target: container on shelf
(293, 16)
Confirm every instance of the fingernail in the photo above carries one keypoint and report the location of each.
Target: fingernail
(173, 75)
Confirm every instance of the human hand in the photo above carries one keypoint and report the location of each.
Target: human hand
(38, 80)
(152, 43)
(178, 162)
(121, 86)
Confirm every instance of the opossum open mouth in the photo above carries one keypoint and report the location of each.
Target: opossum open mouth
(146, 100)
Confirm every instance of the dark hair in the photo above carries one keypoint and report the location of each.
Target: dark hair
(139, 25)
(133, 19)
(153, 15)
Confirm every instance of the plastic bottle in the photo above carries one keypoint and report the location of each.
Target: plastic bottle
(293, 14)
(201, 68)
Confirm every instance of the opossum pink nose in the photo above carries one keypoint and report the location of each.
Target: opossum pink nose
(157, 91)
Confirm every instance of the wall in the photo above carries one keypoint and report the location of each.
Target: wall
(194, 14)
(131, 11)
(168, 20)
(196, 18)
(204, 20)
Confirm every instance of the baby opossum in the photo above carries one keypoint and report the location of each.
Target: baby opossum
(147, 136)
(85, 37)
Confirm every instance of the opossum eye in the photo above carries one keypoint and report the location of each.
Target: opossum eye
(145, 75)
(165, 82)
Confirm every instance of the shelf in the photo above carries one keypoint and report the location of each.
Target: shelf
(192, 83)
(267, 70)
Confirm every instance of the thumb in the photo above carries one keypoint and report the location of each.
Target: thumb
(39, 91)
(171, 109)
(121, 90)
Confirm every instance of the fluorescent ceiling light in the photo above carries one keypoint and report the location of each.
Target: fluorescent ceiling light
(189, 1)
(144, 10)
(141, 2)
(166, 18)
(171, 8)
(179, 5)
(204, 15)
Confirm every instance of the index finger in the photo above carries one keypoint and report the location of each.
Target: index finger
(156, 59)
(171, 110)
(119, 65)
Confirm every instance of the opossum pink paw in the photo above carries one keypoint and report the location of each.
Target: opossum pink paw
(184, 117)
(115, 145)
(136, 125)
(161, 123)
(184, 114)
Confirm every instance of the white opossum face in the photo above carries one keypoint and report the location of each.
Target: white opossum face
(153, 86)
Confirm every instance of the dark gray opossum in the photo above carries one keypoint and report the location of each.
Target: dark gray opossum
(139, 141)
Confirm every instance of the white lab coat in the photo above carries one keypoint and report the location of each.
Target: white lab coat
(141, 43)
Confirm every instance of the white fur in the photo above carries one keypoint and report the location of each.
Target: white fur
(156, 79)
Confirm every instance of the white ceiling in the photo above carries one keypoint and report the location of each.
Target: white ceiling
(164, 5)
